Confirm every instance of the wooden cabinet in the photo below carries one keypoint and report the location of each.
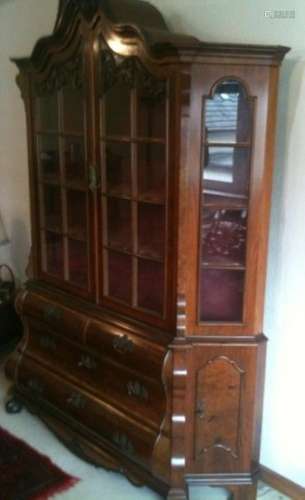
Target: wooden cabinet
(150, 158)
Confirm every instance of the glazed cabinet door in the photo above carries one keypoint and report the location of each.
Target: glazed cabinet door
(137, 181)
(61, 126)
(229, 197)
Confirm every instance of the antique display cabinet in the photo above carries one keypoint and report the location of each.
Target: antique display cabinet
(151, 157)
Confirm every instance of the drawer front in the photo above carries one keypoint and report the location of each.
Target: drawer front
(125, 348)
(63, 319)
(40, 385)
(140, 396)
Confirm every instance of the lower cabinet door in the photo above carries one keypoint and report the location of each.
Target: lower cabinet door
(224, 384)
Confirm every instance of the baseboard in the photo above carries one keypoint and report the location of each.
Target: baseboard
(282, 484)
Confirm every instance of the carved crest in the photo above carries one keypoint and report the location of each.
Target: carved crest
(131, 72)
(70, 73)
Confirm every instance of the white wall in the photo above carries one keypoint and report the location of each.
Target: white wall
(23, 21)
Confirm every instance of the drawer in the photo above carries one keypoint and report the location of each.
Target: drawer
(123, 388)
(80, 408)
(63, 319)
(125, 348)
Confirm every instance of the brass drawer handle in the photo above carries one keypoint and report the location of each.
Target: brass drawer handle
(76, 400)
(135, 388)
(123, 344)
(35, 386)
(52, 313)
(87, 362)
(47, 343)
(123, 442)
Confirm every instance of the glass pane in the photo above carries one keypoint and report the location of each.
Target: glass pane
(77, 214)
(151, 172)
(47, 113)
(117, 110)
(227, 170)
(151, 116)
(118, 168)
(78, 263)
(228, 114)
(151, 228)
(52, 208)
(119, 224)
(73, 110)
(53, 255)
(151, 286)
(48, 157)
(74, 153)
(120, 276)
(224, 237)
(221, 295)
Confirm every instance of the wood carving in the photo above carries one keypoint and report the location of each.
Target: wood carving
(70, 73)
(131, 72)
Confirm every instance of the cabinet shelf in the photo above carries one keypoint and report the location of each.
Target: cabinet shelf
(145, 256)
(227, 144)
(224, 267)
(139, 199)
(129, 139)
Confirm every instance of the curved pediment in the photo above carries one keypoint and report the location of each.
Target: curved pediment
(137, 28)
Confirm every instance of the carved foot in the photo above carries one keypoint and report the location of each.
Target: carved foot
(177, 494)
(13, 406)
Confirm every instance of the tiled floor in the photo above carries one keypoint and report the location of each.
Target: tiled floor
(95, 484)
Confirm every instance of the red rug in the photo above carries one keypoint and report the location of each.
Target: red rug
(25, 474)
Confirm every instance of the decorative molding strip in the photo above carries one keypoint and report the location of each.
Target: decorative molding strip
(281, 483)
(69, 73)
